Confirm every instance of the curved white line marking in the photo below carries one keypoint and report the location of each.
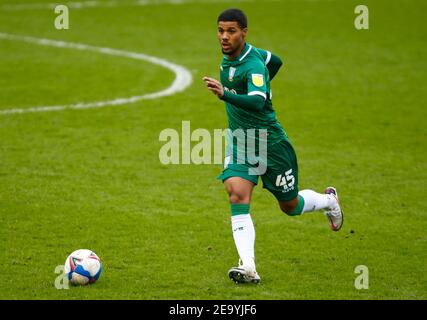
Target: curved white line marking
(183, 77)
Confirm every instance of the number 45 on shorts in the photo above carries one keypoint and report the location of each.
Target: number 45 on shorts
(286, 181)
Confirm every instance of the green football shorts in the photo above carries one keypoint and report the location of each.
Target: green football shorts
(281, 175)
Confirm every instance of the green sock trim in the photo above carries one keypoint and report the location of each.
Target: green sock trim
(298, 209)
(239, 208)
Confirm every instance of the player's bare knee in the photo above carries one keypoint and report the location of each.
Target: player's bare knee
(238, 197)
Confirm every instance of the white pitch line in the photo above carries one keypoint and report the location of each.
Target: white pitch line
(71, 5)
(183, 77)
(107, 3)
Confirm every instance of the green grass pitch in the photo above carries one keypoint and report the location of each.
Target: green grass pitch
(353, 103)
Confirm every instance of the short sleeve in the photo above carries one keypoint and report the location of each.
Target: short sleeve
(265, 54)
(256, 80)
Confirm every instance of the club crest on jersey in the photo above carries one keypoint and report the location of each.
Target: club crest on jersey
(231, 73)
(258, 79)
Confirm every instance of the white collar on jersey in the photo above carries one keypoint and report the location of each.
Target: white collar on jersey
(250, 48)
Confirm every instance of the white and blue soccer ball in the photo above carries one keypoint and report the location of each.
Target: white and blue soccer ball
(83, 266)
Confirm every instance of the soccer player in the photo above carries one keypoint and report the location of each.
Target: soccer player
(245, 74)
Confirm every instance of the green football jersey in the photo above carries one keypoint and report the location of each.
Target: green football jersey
(248, 75)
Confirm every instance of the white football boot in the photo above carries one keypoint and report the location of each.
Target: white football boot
(334, 214)
(244, 274)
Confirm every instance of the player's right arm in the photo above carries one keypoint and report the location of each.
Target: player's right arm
(272, 62)
(256, 88)
(249, 101)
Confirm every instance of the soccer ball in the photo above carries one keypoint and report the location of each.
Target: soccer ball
(82, 267)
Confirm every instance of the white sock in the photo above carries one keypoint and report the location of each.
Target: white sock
(244, 238)
(315, 201)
